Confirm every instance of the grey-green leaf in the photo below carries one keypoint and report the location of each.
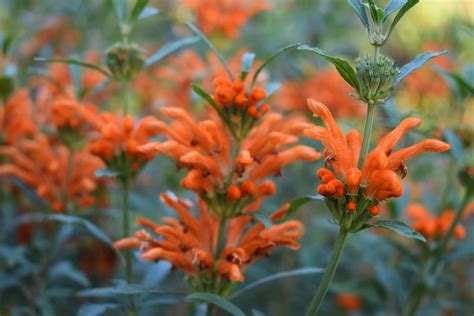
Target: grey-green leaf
(400, 14)
(360, 10)
(73, 62)
(95, 309)
(170, 48)
(416, 63)
(120, 8)
(393, 6)
(263, 218)
(148, 12)
(217, 300)
(298, 202)
(343, 67)
(125, 289)
(138, 9)
(398, 227)
(106, 172)
(247, 61)
(276, 276)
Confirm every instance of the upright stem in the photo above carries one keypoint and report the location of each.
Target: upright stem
(124, 87)
(431, 265)
(328, 275)
(67, 182)
(369, 123)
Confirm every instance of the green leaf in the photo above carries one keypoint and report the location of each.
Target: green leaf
(416, 63)
(393, 6)
(360, 10)
(400, 14)
(148, 12)
(272, 57)
(138, 9)
(73, 62)
(298, 202)
(170, 48)
(75, 72)
(342, 66)
(217, 300)
(106, 172)
(247, 61)
(398, 227)
(6, 87)
(7, 42)
(95, 309)
(457, 149)
(262, 218)
(463, 86)
(276, 276)
(124, 289)
(66, 270)
(120, 8)
(195, 29)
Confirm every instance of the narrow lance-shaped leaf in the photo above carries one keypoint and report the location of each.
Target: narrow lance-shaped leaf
(272, 57)
(398, 227)
(95, 309)
(217, 300)
(263, 218)
(247, 61)
(125, 289)
(147, 12)
(298, 202)
(416, 63)
(342, 66)
(138, 9)
(393, 6)
(400, 14)
(73, 62)
(7, 42)
(360, 10)
(120, 8)
(276, 276)
(170, 48)
(195, 29)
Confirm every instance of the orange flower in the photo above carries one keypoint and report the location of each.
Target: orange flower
(16, 118)
(119, 138)
(204, 149)
(431, 226)
(192, 244)
(329, 88)
(349, 302)
(224, 16)
(45, 168)
(378, 179)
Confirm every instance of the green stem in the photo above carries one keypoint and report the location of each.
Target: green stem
(328, 275)
(124, 87)
(369, 123)
(430, 266)
(67, 183)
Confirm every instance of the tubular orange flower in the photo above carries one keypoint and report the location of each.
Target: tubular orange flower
(431, 226)
(223, 16)
(349, 302)
(192, 244)
(119, 138)
(204, 149)
(379, 178)
(45, 168)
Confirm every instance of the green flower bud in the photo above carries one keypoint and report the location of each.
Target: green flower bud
(125, 61)
(376, 82)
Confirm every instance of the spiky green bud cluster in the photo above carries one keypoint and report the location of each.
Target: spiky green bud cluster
(376, 81)
(125, 61)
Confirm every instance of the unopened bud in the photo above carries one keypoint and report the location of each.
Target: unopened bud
(125, 61)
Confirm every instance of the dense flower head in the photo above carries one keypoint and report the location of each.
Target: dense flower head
(118, 139)
(325, 84)
(431, 226)
(192, 244)
(204, 148)
(226, 17)
(16, 118)
(65, 183)
(359, 190)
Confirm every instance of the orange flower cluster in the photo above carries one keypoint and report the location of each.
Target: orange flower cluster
(16, 118)
(349, 302)
(204, 148)
(119, 138)
(64, 183)
(226, 17)
(378, 180)
(193, 245)
(234, 99)
(329, 88)
(431, 226)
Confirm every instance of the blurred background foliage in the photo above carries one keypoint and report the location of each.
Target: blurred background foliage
(45, 274)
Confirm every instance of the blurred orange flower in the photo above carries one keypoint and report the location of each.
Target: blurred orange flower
(327, 86)
(204, 149)
(226, 17)
(431, 226)
(349, 302)
(66, 184)
(192, 244)
(378, 178)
